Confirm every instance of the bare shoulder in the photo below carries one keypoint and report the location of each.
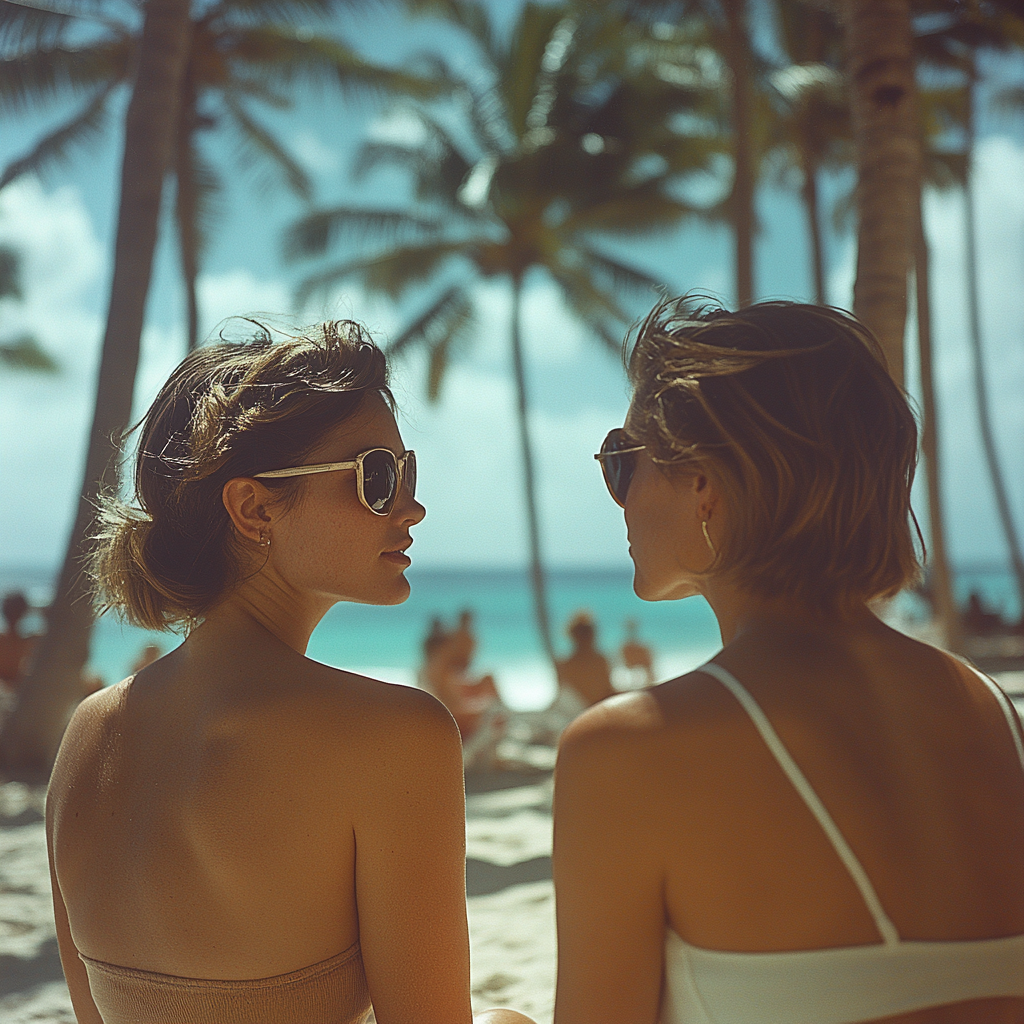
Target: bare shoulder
(384, 724)
(635, 730)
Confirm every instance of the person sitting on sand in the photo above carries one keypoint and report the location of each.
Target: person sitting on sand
(15, 647)
(636, 656)
(238, 832)
(585, 677)
(473, 701)
(826, 821)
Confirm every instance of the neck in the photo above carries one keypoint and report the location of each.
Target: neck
(266, 604)
(739, 612)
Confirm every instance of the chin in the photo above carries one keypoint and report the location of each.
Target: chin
(648, 589)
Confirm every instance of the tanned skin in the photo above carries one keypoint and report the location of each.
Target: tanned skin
(236, 810)
(670, 812)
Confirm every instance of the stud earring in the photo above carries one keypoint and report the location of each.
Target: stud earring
(264, 541)
(704, 527)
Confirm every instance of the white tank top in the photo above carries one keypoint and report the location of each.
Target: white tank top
(845, 985)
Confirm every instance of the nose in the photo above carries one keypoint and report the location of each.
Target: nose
(407, 508)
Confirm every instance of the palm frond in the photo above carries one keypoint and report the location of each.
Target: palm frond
(623, 277)
(317, 232)
(10, 273)
(84, 127)
(441, 330)
(1009, 100)
(258, 142)
(642, 209)
(469, 15)
(373, 155)
(285, 56)
(37, 78)
(389, 274)
(24, 27)
(276, 12)
(591, 303)
(25, 353)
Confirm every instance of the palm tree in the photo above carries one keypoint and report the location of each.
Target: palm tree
(567, 145)
(243, 54)
(881, 70)
(980, 391)
(23, 352)
(31, 735)
(811, 132)
(744, 113)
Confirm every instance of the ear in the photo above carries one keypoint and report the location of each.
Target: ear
(705, 494)
(246, 501)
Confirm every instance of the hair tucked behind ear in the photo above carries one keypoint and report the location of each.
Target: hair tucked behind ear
(791, 410)
(229, 410)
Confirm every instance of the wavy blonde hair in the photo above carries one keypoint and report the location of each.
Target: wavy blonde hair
(791, 410)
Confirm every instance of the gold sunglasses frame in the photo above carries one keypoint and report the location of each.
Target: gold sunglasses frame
(357, 465)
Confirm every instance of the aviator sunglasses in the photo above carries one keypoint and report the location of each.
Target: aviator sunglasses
(379, 476)
(618, 463)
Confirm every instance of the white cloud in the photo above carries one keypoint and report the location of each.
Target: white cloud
(316, 156)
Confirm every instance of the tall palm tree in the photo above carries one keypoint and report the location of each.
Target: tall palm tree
(243, 55)
(31, 735)
(568, 144)
(744, 110)
(988, 441)
(881, 69)
(811, 132)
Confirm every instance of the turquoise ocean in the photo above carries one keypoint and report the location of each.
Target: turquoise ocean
(387, 642)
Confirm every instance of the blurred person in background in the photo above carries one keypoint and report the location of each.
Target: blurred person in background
(637, 657)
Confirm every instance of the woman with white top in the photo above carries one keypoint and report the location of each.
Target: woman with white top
(825, 824)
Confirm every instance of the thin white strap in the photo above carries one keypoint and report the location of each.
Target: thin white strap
(1004, 703)
(885, 927)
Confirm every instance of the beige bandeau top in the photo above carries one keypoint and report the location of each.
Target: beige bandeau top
(333, 991)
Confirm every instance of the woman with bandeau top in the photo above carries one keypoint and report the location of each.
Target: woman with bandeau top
(238, 833)
(825, 823)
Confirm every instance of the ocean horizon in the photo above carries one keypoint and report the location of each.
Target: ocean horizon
(386, 642)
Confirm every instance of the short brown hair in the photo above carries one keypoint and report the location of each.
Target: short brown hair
(791, 410)
(229, 409)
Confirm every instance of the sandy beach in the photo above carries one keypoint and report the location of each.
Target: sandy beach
(508, 881)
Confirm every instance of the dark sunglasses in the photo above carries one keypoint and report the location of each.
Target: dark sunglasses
(379, 476)
(618, 462)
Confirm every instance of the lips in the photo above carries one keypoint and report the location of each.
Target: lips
(398, 554)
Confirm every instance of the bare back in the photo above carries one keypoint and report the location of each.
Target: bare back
(906, 748)
(224, 816)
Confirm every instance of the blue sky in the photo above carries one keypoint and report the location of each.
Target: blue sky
(467, 446)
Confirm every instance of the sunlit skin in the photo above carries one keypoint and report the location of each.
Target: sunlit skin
(671, 812)
(239, 811)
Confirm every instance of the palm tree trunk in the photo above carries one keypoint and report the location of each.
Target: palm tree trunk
(813, 210)
(737, 51)
(32, 734)
(940, 578)
(981, 392)
(887, 134)
(537, 576)
(186, 205)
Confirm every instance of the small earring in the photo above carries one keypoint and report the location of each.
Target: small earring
(704, 527)
(264, 541)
